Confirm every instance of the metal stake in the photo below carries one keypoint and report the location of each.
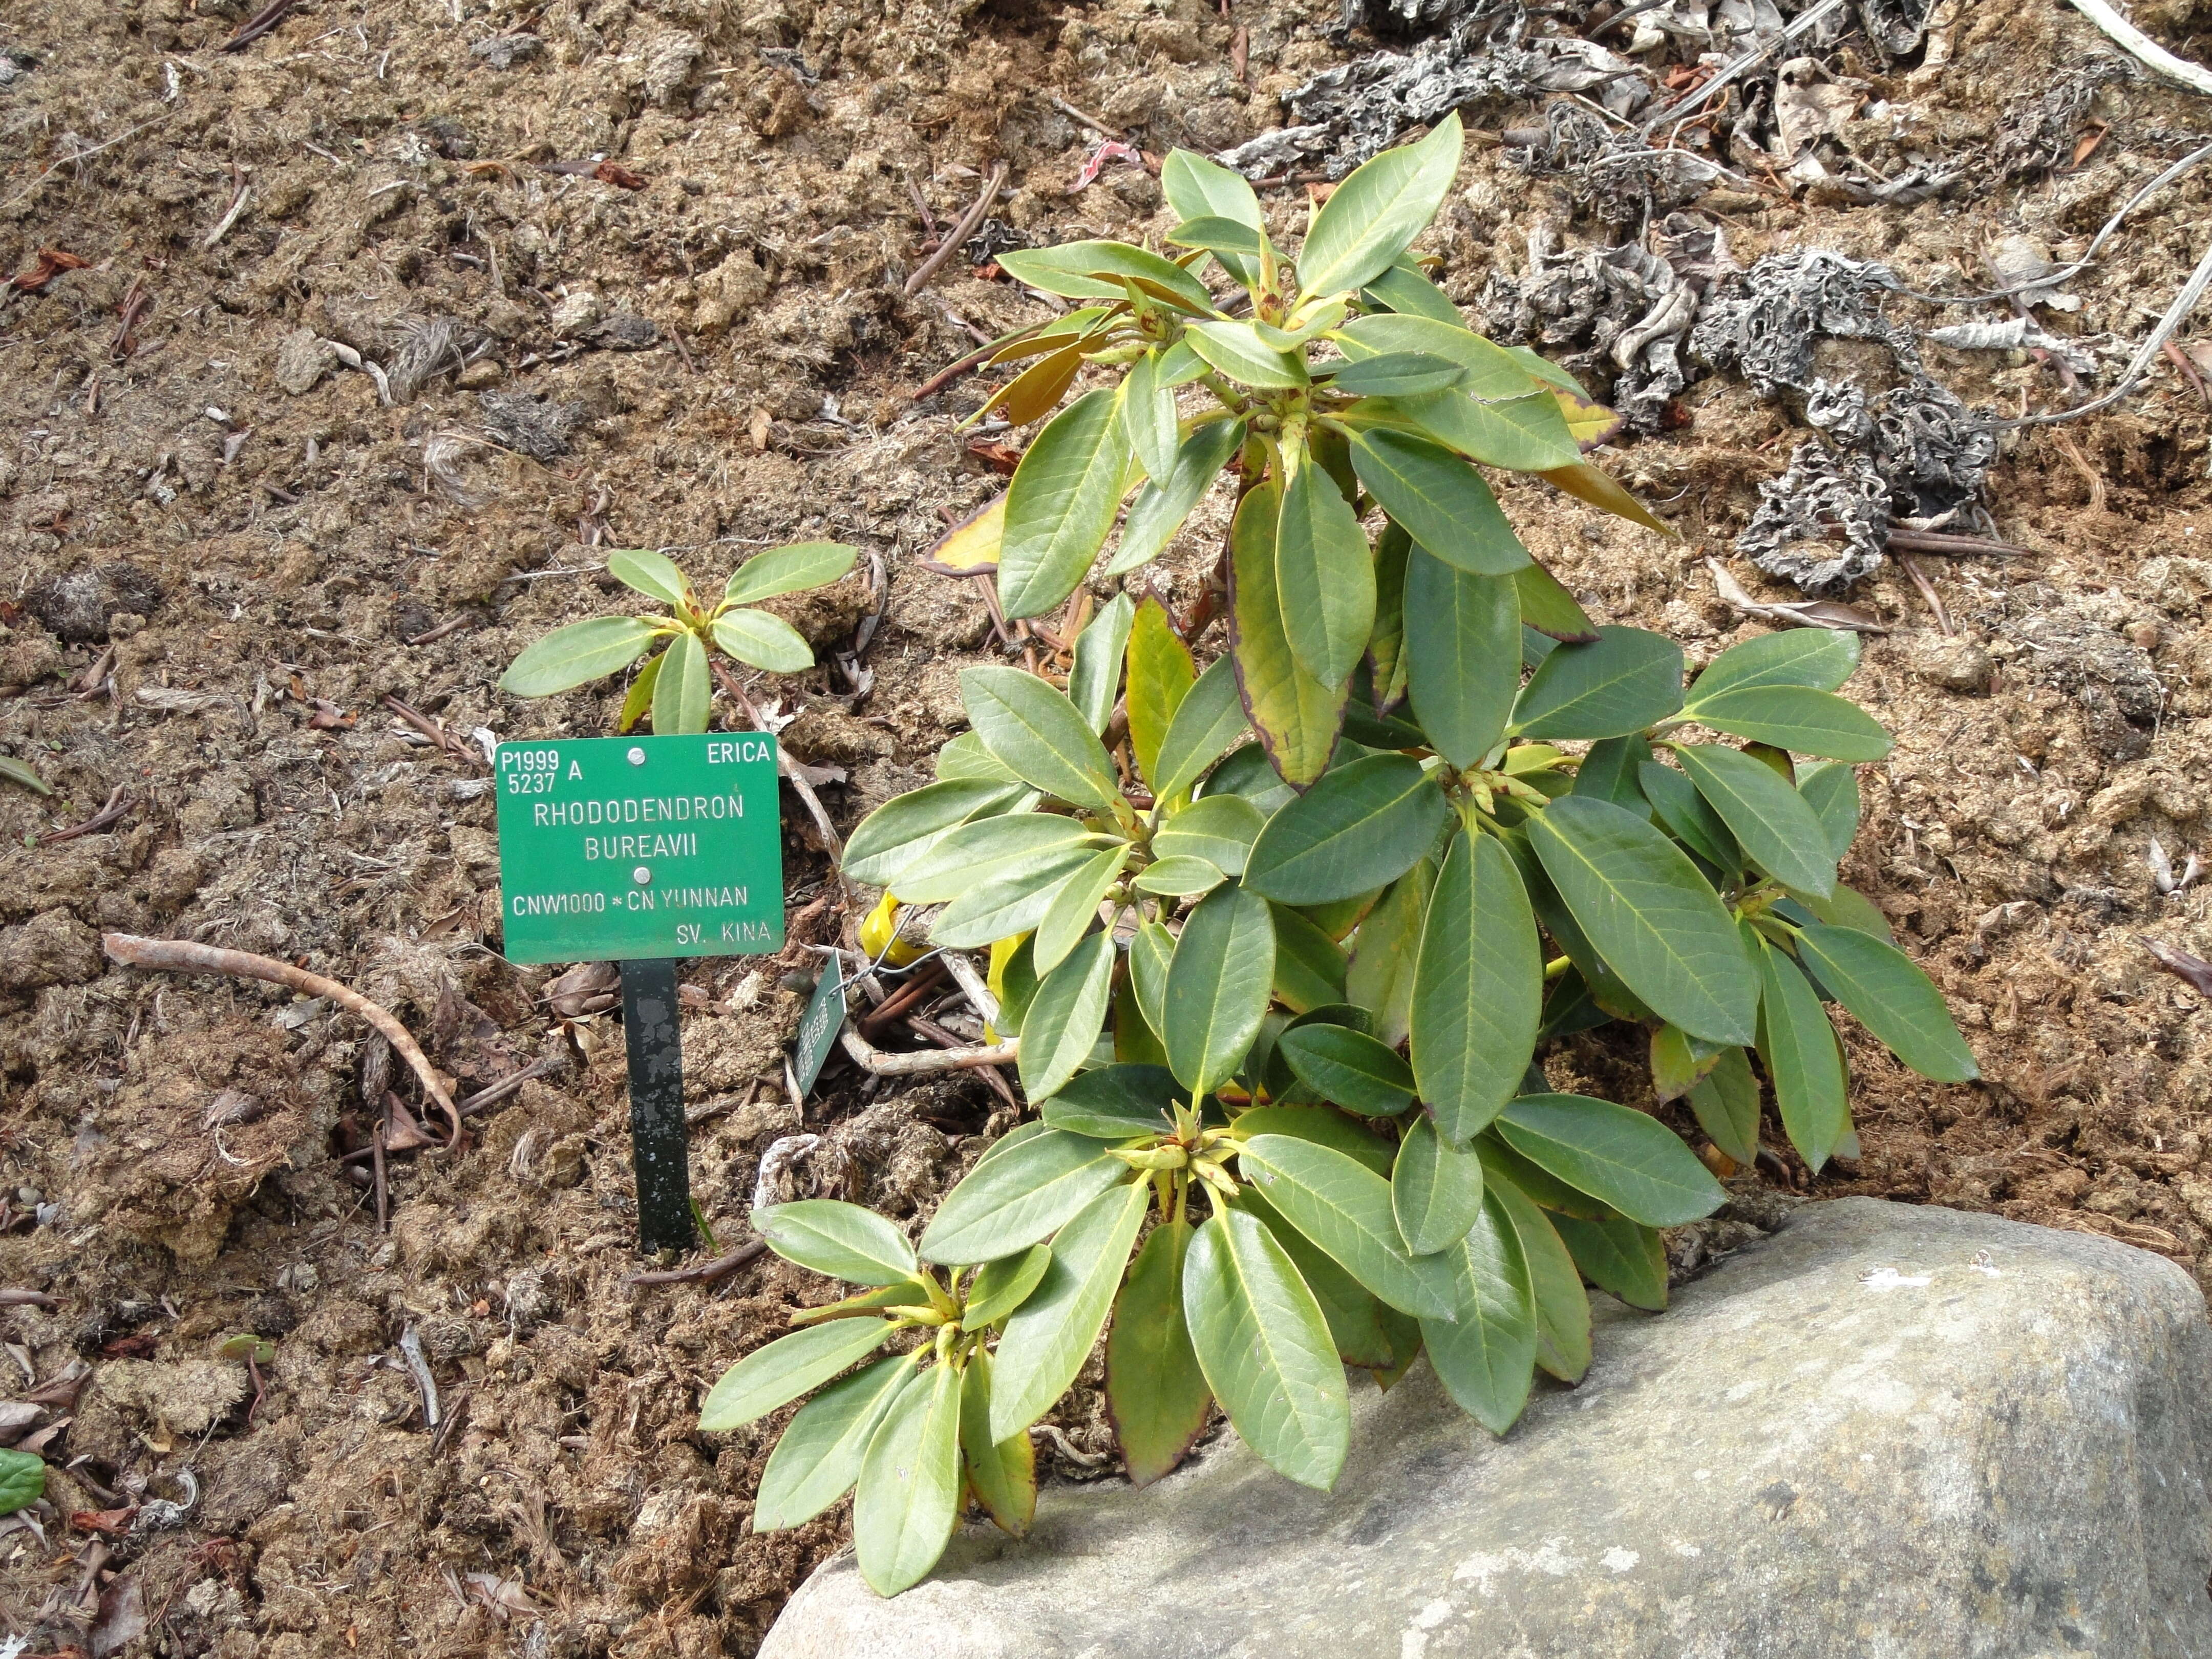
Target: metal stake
(656, 1105)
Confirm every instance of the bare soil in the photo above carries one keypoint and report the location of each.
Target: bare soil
(223, 551)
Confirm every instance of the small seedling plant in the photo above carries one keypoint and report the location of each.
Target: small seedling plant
(1280, 1003)
(674, 691)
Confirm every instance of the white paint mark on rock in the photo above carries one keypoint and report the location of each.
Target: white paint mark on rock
(1550, 1558)
(1888, 1279)
(1687, 1551)
(1618, 1559)
(1432, 1615)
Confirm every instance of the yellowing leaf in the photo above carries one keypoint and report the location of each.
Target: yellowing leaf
(970, 547)
(1602, 490)
(1592, 424)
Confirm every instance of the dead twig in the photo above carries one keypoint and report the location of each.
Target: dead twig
(1937, 541)
(179, 956)
(410, 1348)
(442, 629)
(1928, 593)
(119, 803)
(908, 996)
(944, 1039)
(507, 1085)
(706, 1272)
(2179, 359)
(258, 24)
(874, 1060)
(957, 236)
(2193, 970)
(2147, 50)
(16, 1298)
(945, 377)
(832, 844)
(1090, 121)
(435, 731)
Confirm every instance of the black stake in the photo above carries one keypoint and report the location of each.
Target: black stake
(656, 1106)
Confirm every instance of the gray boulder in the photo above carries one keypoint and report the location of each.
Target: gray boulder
(1886, 1431)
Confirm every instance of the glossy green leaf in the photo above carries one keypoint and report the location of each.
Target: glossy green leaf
(1249, 772)
(1015, 1198)
(1678, 1059)
(1074, 907)
(1295, 714)
(1001, 1286)
(789, 570)
(1007, 904)
(1769, 819)
(637, 702)
(1002, 1473)
(1363, 824)
(1217, 234)
(1689, 817)
(1355, 1319)
(786, 1368)
(1492, 373)
(1463, 655)
(908, 1494)
(1348, 1068)
(1649, 913)
(1370, 219)
(844, 1241)
(1486, 1359)
(1503, 1167)
(964, 758)
(1060, 505)
(1523, 435)
(1619, 1257)
(1798, 717)
(1114, 1102)
(1178, 877)
(1831, 788)
(1478, 989)
(1197, 188)
(1893, 999)
(1161, 507)
(682, 692)
(1619, 1155)
(1555, 1287)
(572, 656)
(1310, 965)
(1324, 1127)
(1156, 1394)
(1050, 1335)
(1265, 1350)
(1612, 771)
(1237, 349)
(1820, 658)
(1344, 1208)
(818, 1457)
(1626, 679)
(1099, 270)
(1385, 950)
(1549, 608)
(1220, 829)
(1406, 288)
(973, 853)
(1151, 953)
(1397, 374)
(1064, 1020)
(1148, 417)
(1441, 501)
(1039, 734)
(654, 575)
(1208, 720)
(1161, 674)
(1324, 576)
(1386, 646)
(1095, 681)
(1726, 1103)
(1218, 987)
(1436, 1189)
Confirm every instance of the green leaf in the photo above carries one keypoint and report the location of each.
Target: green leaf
(1096, 675)
(1295, 714)
(1001, 1286)
(786, 1368)
(1817, 657)
(1155, 1392)
(756, 638)
(1363, 824)
(1060, 505)
(1478, 989)
(1007, 904)
(1486, 1360)
(1611, 772)
(1063, 1022)
(1148, 417)
(1619, 1155)
(1265, 1350)
(1208, 720)
(654, 575)
(1523, 434)
(971, 852)
(1114, 1102)
(1218, 987)
(1769, 819)
(1074, 907)
(1323, 1128)
(1803, 1060)
(1650, 915)
(637, 702)
(1492, 373)
(1161, 675)
(1550, 608)
(1151, 953)
(15, 771)
(1050, 1335)
(1441, 501)
(1161, 506)
(22, 1481)
(683, 691)
(1435, 1190)
(1220, 829)
(1238, 351)
(1561, 1306)
(1503, 1167)
(1831, 788)
(841, 1240)
(1726, 1103)
(1796, 717)
(1397, 374)
(1344, 1208)
(1016, 1197)
(1215, 234)
(818, 1457)
(1893, 999)
(1463, 655)
(1623, 681)
(1685, 812)
(1038, 732)
(1355, 1319)
(1679, 1060)
(1386, 950)
(1099, 270)
(571, 656)
(1405, 287)
(1178, 877)
(1309, 966)
(1002, 1473)
(965, 757)
(789, 570)
(909, 1488)
(1370, 219)
(1386, 646)
(1349, 1069)
(1619, 1256)
(1197, 188)
(1324, 575)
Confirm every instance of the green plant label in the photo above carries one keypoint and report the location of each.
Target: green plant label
(818, 1027)
(623, 848)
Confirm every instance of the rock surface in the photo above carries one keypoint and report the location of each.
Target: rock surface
(1886, 1431)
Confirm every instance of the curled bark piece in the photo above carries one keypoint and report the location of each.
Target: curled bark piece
(179, 956)
(870, 1058)
(2195, 77)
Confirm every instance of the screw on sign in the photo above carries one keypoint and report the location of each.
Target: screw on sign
(643, 851)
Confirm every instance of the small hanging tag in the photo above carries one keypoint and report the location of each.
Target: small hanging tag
(817, 1031)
